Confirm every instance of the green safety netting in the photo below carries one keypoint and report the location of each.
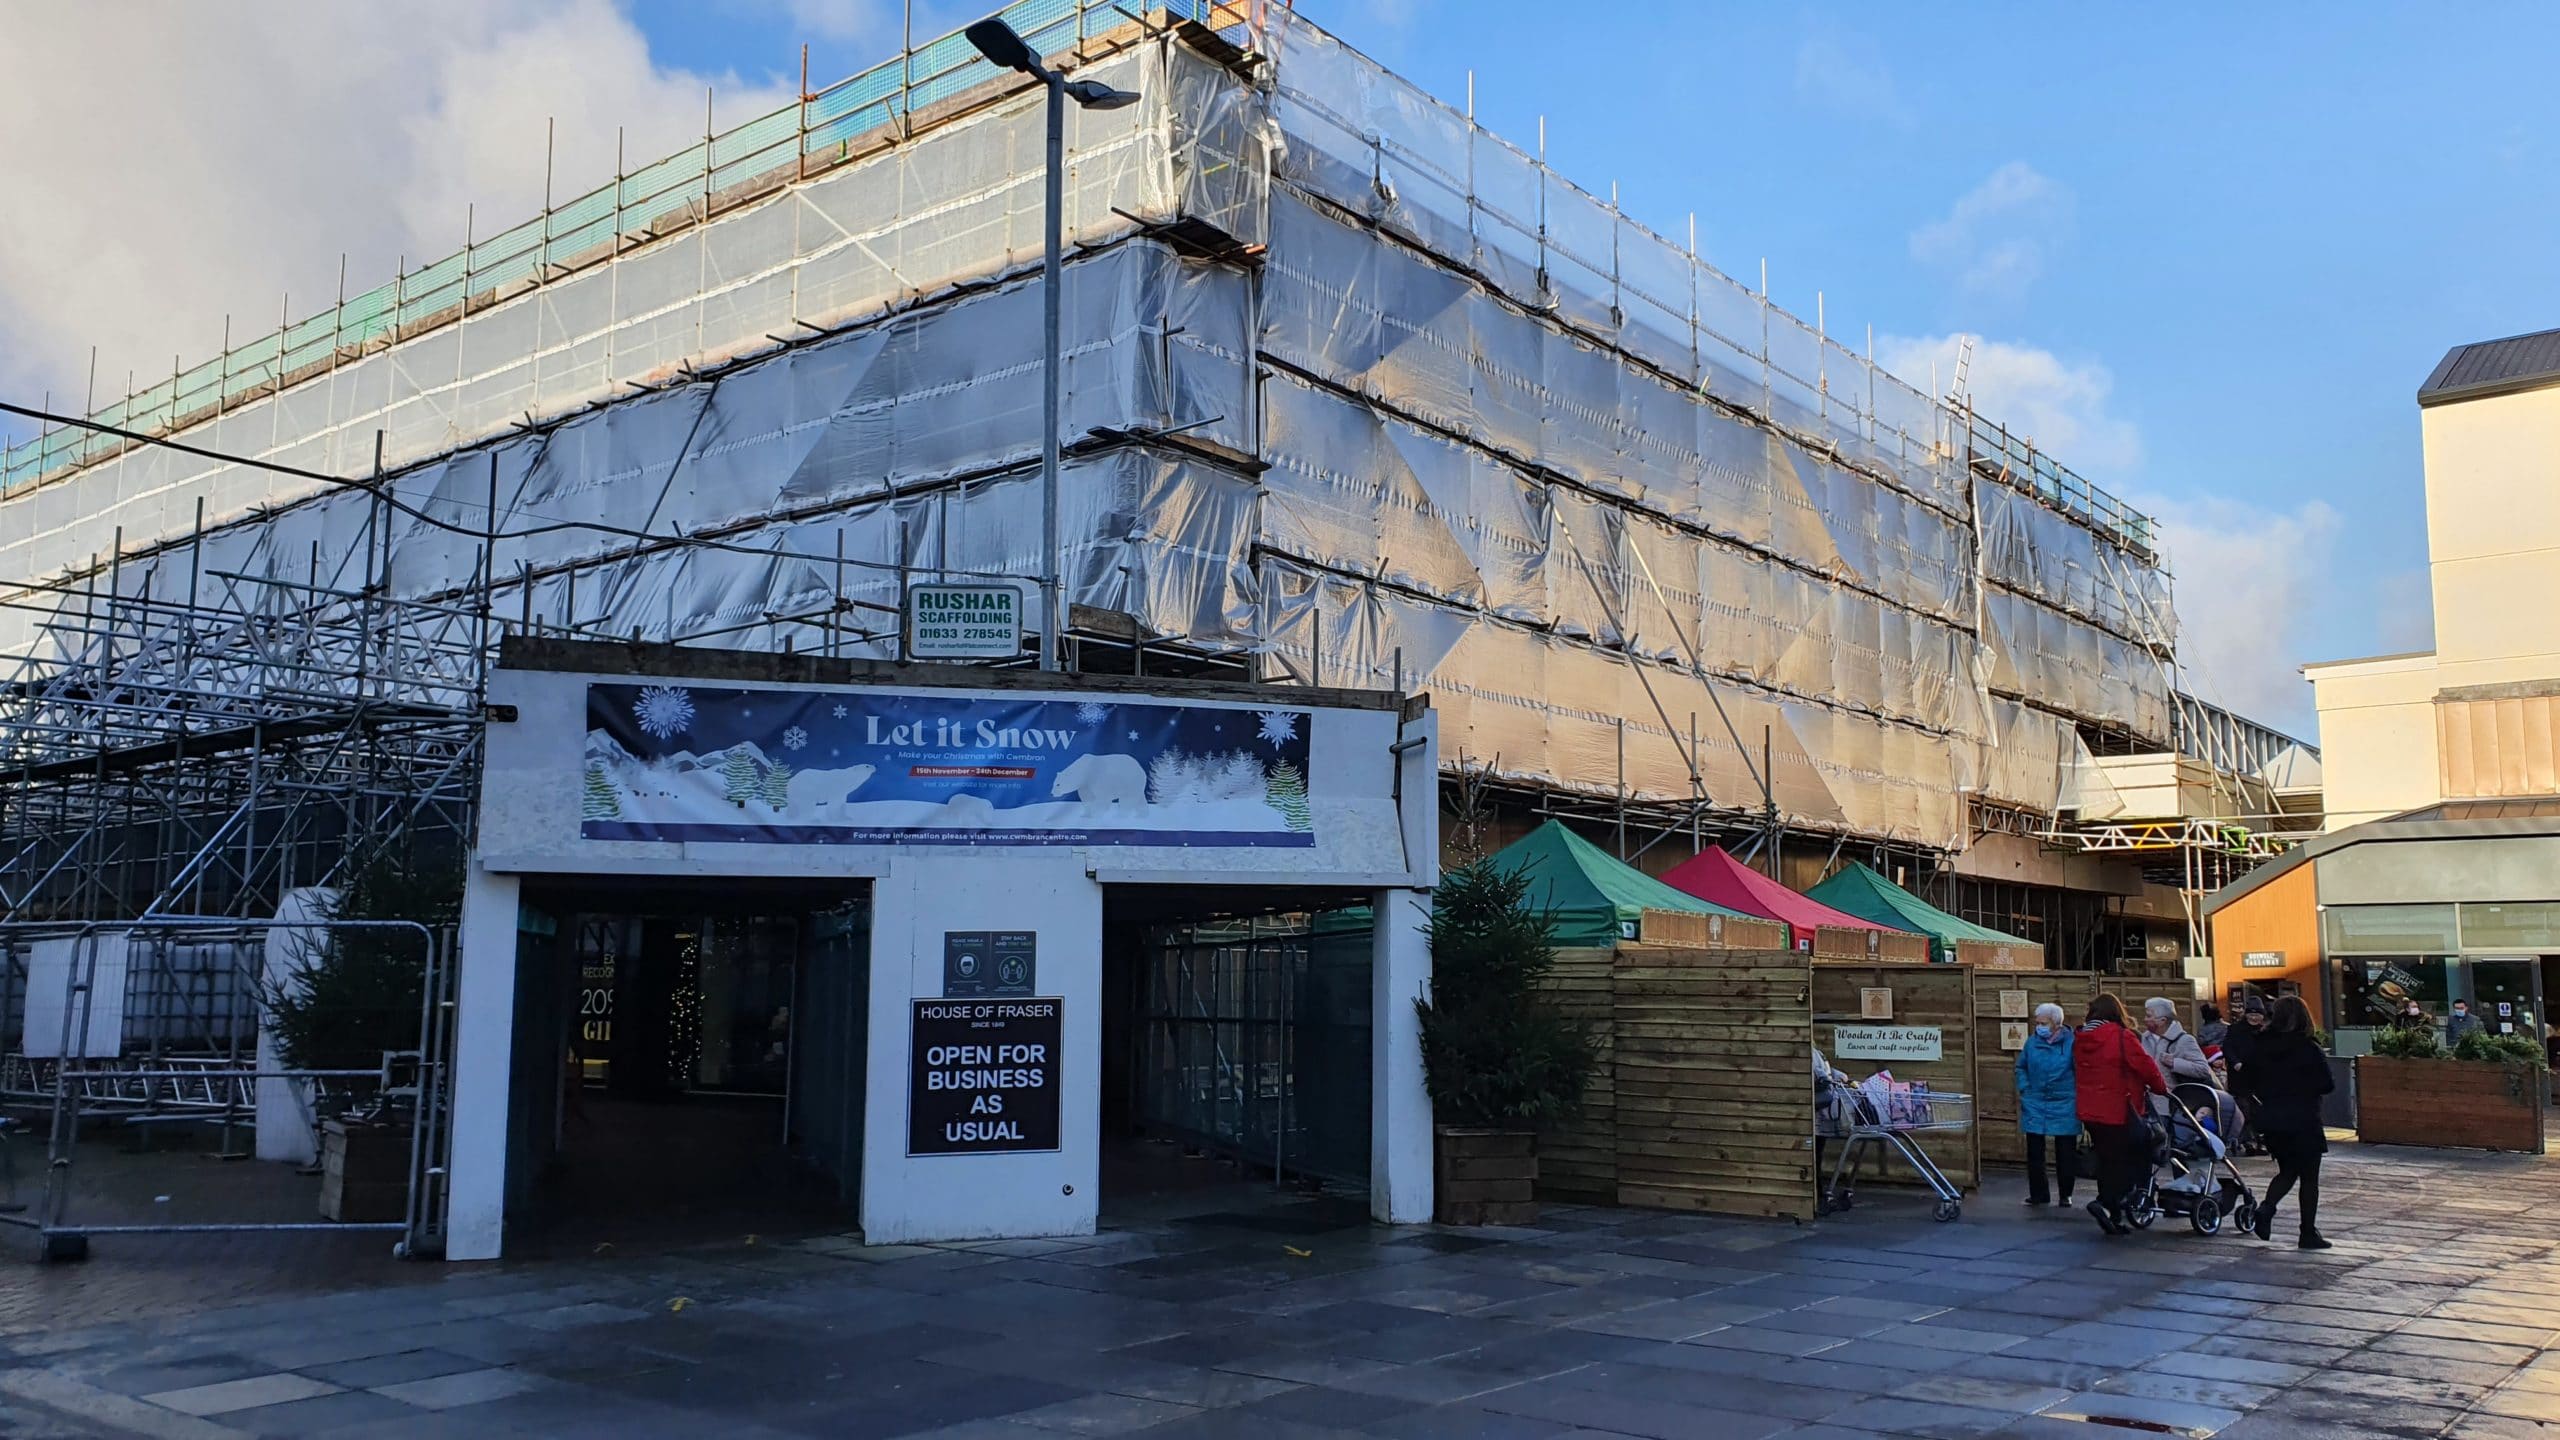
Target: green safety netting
(1597, 898)
(1862, 892)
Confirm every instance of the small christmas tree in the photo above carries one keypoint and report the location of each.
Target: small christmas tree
(744, 781)
(601, 801)
(355, 993)
(1287, 793)
(777, 787)
(1494, 1051)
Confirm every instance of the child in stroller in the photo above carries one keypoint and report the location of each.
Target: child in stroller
(2191, 1170)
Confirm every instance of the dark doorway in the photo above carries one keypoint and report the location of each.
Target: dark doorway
(1235, 1044)
(690, 1061)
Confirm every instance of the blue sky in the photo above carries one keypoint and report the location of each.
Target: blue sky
(2218, 248)
(2212, 251)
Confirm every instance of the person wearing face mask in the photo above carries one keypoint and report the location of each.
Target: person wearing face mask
(2411, 1017)
(2049, 1106)
(2463, 1023)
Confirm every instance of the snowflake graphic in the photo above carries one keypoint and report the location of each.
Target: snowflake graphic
(839, 712)
(1278, 726)
(1092, 712)
(794, 738)
(663, 710)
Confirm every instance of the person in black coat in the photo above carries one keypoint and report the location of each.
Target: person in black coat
(2238, 1044)
(2286, 1075)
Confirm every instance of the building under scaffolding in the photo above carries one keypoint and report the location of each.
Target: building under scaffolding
(1357, 394)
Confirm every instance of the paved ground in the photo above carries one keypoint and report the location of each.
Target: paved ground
(1236, 1317)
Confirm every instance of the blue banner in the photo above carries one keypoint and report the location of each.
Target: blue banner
(849, 767)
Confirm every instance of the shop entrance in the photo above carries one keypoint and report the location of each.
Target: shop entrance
(1236, 1047)
(689, 1061)
(2506, 995)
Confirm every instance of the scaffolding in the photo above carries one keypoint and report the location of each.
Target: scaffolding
(203, 751)
(1357, 393)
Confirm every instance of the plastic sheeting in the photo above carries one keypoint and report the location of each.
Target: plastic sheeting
(1499, 450)
(955, 204)
(2042, 655)
(2042, 552)
(1357, 490)
(1383, 149)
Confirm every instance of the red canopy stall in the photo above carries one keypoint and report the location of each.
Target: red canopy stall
(1718, 878)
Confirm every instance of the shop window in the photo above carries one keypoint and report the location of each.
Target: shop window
(2373, 988)
(2532, 925)
(2392, 930)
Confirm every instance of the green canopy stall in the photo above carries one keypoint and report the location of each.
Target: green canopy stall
(1598, 899)
(1860, 891)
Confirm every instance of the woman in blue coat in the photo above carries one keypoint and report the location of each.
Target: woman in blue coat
(2048, 1105)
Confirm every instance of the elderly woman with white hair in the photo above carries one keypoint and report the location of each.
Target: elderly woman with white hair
(2170, 1047)
(2049, 1106)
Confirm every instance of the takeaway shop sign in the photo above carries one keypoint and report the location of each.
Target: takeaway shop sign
(983, 1077)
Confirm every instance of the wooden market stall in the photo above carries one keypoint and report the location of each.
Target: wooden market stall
(1578, 1156)
(1914, 1019)
(1861, 891)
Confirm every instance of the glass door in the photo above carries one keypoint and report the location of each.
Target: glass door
(2506, 995)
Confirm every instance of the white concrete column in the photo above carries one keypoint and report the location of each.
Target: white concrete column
(483, 1062)
(913, 1198)
(1399, 1105)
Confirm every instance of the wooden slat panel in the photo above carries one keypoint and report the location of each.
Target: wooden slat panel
(1991, 955)
(2460, 1104)
(1577, 1156)
(1852, 942)
(1713, 932)
(1713, 1086)
(1996, 1084)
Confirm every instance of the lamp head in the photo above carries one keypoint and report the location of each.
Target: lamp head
(999, 43)
(1094, 95)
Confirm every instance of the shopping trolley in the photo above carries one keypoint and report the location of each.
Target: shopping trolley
(1886, 1117)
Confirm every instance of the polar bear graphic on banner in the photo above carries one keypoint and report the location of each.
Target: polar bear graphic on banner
(1103, 782)
(812, 793)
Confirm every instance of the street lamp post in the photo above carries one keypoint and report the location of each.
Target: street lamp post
(999, 43)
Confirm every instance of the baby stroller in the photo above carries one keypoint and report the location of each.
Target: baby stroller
(2191, 1171)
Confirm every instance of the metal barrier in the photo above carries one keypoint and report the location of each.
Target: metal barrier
(162, 1088)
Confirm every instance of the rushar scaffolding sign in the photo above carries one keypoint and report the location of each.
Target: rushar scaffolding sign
(864, 767)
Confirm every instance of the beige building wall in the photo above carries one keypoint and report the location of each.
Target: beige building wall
(2493, 537)
(2378, 731)
(2477, 717)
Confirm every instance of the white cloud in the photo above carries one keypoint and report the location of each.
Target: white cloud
(233, 153)
(2060, 405)
(1849, 73)
(2248, 580)
(1996, 237)
(2248, 577)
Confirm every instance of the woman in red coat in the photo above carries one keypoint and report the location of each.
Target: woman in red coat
(2115, 1079)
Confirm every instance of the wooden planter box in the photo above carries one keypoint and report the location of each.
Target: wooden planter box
(1484, 1177)
(364, 1172)
(2449, 1104)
